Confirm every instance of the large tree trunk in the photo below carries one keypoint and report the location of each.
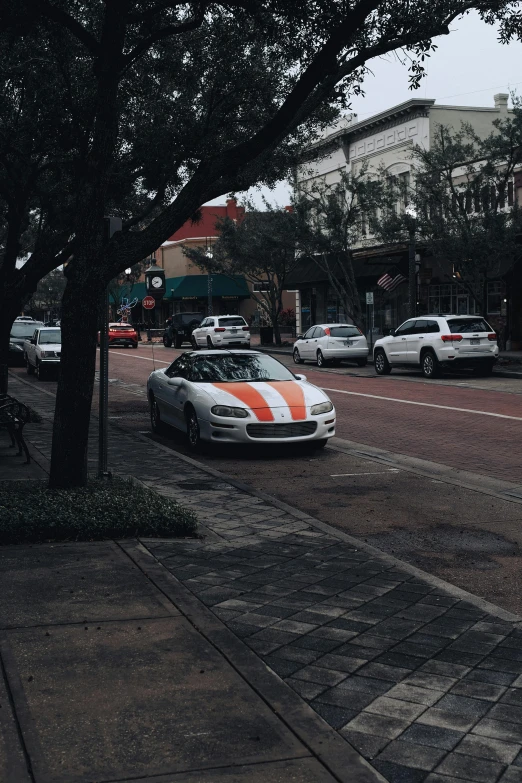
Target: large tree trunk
(79, 323)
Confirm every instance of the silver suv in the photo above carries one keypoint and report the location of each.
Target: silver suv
(435, 342)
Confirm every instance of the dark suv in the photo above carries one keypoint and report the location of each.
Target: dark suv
(181, 328)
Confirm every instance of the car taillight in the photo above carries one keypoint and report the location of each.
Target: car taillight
(451, 338)
(246, 328)
(219, 329)
(492, 336)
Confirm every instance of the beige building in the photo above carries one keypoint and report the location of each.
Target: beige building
(385, 141)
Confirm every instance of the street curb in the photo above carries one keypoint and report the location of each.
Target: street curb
(453, 590)
(325, 743)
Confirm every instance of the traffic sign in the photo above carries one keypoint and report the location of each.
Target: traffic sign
(149, 303)
(369, 297)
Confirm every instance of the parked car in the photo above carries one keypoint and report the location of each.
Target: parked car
(222, 331)
(325, 343)
(180, 329)
(437, 342)
(21, 330)
(26, 318)
(43, 351)
(122, 334)
(239, 397)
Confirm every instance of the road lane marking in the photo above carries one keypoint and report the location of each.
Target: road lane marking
(370, 473)
(145, 358)
(425, 404)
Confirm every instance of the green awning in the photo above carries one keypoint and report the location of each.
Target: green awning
(196, 287)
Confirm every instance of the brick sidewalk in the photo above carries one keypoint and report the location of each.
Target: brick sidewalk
(423, 680)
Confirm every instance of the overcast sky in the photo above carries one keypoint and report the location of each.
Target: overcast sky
(468, 68)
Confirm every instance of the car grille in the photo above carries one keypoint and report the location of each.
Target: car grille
(297, 429)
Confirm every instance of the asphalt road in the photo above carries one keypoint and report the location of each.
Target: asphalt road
(419, 469)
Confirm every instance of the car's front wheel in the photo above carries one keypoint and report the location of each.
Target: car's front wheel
(193, 432)
(29, 367)
(297, 357)
(381, 363)
(178, 341)
(210, 344)
(40, 372)
(430, 365)
(167, 342)
(194, 343)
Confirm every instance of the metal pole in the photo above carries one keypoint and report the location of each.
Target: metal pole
(412, 275)
(104, 387)
(209, 293)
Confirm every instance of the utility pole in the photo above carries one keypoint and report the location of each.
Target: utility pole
(410, 222)
(112, 225)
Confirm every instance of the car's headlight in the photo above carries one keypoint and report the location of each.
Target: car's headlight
(322, 407)
(225, 410)
(15, 347)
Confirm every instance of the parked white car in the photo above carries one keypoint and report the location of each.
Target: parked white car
(43, 350)
(221, 331)
(239, 397)
(326, 343)
(436, 342)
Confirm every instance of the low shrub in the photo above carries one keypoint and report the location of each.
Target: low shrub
(30, 512)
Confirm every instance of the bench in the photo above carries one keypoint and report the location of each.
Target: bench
(14, 416)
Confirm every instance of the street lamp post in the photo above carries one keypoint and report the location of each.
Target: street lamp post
(411, 225)
(209, 254)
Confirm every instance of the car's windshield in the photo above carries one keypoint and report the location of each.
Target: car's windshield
(231, 368)
(344, 331)
(468, 325)
(232, 321)
(24, 330)
(53, 336)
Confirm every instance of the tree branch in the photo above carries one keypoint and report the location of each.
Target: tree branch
(67, 21)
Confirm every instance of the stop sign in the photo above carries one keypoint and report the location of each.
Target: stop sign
(149, 303)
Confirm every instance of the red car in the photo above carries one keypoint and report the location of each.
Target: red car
(122, 334)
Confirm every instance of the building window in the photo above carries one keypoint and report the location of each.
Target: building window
(495, 296)
(262, 285)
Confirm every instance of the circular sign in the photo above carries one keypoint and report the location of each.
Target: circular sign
(149, 303)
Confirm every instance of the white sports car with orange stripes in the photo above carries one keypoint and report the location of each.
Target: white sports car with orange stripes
(238, 397)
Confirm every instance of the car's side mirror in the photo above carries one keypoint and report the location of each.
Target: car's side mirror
(299, 336)
(177, 381)
(33, 341)
(392, 332)
(300, 377)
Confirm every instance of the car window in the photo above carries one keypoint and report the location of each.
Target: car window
(419, 327)
(319, 332)
(203, 323)
(23, 330)
(468, 325)
(235, 320)
(234, 368)
(432, 327)
(188, 318)
(178, 368)
(344, 331)
(53, 336)
(404, 328)
(309, 333)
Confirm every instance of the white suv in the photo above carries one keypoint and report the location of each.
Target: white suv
(434, 342)
(222, 331)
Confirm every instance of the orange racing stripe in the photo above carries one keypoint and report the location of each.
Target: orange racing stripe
(249, 396)
(293, 395)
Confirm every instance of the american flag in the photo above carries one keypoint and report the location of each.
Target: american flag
(390, 280)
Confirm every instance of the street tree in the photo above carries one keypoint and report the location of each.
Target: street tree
(48, 294)
(262, 248)
(463, 198)
(169, 104)
(333, 219)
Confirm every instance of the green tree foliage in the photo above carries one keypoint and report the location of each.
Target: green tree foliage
(149, 109)
(464, 201)
(333, 219)
(262, 247)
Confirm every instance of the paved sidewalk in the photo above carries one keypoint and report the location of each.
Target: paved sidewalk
(422, 679)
